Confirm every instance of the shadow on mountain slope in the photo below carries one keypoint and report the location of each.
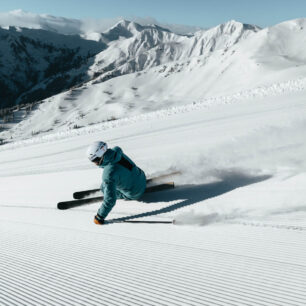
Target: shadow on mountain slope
(192, 194)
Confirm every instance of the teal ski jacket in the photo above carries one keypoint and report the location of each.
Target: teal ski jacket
(121, 179)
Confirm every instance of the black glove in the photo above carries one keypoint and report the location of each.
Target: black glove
(98, 219)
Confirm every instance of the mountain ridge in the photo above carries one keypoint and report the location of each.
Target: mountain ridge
(35, 55)
(147, 68)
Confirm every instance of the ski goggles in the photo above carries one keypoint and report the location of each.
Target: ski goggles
(97, 160)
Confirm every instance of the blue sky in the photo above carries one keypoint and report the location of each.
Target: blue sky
(203, 13)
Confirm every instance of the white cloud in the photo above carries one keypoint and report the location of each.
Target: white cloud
(20, 18)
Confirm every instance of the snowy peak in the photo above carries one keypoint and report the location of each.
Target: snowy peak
(127, 29)
(122, 29)
(280, 46)
(232, 26)
(134, 27)
(152, 45)
(294, 24)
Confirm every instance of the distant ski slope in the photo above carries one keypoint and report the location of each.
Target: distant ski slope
(43, 119)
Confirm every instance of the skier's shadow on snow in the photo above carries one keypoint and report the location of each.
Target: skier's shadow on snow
(192, 194)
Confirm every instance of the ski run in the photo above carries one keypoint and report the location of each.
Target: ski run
(239, 206)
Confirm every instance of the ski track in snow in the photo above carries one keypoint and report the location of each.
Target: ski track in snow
(46, 265)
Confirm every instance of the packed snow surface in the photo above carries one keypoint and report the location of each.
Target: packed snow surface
(239, 205)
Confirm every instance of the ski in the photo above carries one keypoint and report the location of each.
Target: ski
(76, 203)
(80, 202)
(83, 194)
(143, 222)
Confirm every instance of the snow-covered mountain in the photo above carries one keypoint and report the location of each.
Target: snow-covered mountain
(146, 68)
(37, 64)
(150, 46)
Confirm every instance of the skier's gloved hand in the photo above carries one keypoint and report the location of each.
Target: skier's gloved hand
(98, 219)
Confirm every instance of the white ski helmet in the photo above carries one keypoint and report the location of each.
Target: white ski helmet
(96, 151)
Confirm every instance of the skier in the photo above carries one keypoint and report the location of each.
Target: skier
(121, 178)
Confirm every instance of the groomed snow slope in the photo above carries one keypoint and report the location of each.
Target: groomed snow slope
(239, 206)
